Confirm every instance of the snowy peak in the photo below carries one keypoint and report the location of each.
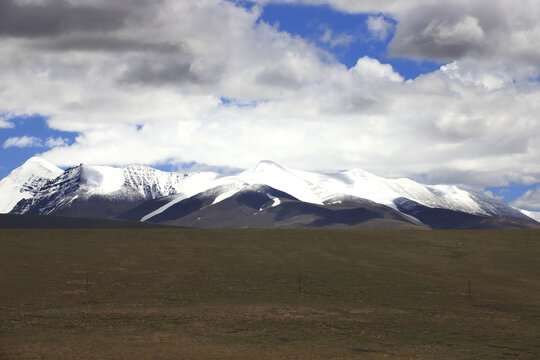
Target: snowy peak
(25, 181)
(299, 184)
(264, 165)
(38, 164)
(318, 188)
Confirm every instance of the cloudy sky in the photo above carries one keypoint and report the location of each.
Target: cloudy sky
(438, 91)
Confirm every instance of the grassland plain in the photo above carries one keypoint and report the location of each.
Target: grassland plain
(269, 294)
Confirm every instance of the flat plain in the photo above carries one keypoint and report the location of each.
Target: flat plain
(269, 294)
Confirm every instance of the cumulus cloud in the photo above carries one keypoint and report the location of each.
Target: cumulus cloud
(491, 30)
(147, 87)
(53, 17)
(379, 26)
(369, 68)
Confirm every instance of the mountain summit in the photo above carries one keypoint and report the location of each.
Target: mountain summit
(25, 182)
(268, 195)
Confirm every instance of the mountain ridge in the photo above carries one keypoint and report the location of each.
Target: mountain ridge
(106, 191)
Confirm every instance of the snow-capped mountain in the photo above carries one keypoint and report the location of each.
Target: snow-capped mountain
(25, 181)
(148, 194)
(319, 188)
(107, 191)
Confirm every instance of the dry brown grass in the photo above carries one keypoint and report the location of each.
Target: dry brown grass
(233, 294)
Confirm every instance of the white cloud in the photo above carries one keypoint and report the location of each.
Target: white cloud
(529, 201)
(364, 6)
(466, 29)
(33, 141)
(55, 142)
(494, 196)
(497, 31)
(500, 33)
(22, 142)
(334, 40)
(134, 99)
(379, 26)
(369, 68)
(4, 122)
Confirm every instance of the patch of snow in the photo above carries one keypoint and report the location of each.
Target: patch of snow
(276, 202)
(225, 195)
(412, 218)
(102, 179)
(192, 184)
(177, 199)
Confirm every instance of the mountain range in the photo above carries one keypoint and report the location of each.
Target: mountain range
(266, 196)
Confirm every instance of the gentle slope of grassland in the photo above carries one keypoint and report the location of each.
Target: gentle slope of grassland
(235, 294)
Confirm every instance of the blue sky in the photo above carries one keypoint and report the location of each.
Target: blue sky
(443, 92)
(312, 22)
(31, 127)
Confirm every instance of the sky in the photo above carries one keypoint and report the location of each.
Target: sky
(436, 91)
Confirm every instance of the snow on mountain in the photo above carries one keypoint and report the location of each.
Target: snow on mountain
(101, 179)
(129, 183)
(535, 215)
(47, 188)
(152, 183)
(25, 181)
(317, 188)
(53, 194)
(145, 181)
(293, 182)
(223, 188)
(265, 173)
(275, 200)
